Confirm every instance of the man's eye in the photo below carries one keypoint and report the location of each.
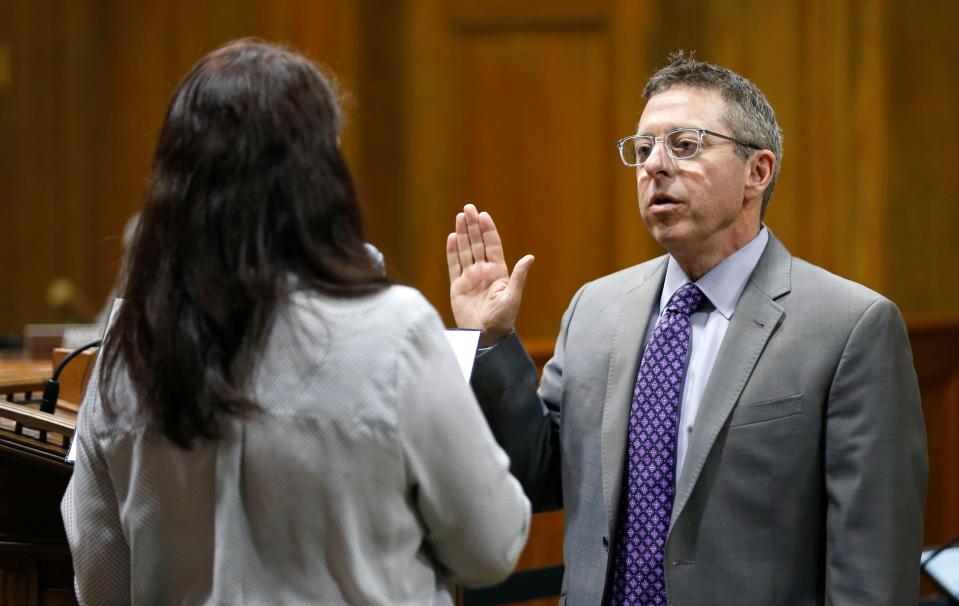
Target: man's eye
(683, 147)
(644, 150)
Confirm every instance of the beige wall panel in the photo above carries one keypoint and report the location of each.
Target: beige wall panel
(375, 130)
(921, 138)
(519, 114)
(80, 119)
(869, 150)
(529, 14)
(429, 128)
(47, 221)
(90, 81)
(540, 159)
(630, 65)
(141, 72)
(767, 49)
(825, 190)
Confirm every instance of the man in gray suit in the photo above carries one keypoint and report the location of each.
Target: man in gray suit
(726, 424)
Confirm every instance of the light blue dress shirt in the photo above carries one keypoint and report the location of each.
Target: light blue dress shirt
(722, 287)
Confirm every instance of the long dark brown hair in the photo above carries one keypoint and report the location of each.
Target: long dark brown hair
(249, 195)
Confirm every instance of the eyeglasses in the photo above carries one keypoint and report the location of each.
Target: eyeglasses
(681, 144)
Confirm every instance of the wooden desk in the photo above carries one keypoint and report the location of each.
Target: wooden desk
(23, 375)
(35, 563)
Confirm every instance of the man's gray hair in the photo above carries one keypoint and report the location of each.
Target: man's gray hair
(748, 114)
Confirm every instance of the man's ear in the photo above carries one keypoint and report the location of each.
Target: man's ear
(762, 166)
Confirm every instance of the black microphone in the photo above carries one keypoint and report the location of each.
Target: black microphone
(52, 391)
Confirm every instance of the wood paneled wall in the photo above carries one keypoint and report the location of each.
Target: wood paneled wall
(528, 99)
(935, 342)
(514, 105)
(84, 95)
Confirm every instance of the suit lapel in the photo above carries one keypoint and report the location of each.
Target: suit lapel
(755, 319)
(621, 377)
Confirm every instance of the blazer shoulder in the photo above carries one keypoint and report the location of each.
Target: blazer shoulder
(625, 279)
(819, 287)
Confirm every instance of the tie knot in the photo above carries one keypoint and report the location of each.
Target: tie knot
(686, 300)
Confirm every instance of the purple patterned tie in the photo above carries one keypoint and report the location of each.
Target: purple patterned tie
(648, 485)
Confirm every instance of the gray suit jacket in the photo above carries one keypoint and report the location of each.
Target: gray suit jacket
(805, 478)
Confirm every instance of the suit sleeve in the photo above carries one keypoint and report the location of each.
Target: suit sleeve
(474, 512)
(91, 517)
(526, 422)
(875, 466)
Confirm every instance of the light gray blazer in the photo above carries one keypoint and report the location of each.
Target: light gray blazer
(805, 478)
(368, 477)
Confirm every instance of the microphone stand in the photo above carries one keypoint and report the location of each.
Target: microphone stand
(52, 390)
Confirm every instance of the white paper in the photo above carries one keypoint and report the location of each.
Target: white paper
(464, 344)
(944, 568)
(72, 454)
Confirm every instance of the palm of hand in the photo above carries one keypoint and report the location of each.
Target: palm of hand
(483, 294)
(480, 298)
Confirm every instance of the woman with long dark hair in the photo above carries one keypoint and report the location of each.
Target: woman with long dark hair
(271, 421)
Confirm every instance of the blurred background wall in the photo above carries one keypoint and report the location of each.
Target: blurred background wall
(513, 105)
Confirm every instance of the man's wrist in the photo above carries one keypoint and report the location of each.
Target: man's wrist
(488, 340)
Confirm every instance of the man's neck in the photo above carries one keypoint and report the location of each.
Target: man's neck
(698, 260)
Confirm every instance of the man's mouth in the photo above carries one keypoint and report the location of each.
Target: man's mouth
(663, 200)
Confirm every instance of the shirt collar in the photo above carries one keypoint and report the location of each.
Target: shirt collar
(723, 284)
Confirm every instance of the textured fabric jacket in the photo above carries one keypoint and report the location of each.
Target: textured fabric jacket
(368, 477)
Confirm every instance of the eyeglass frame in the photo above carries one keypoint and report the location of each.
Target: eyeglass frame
(699, 145)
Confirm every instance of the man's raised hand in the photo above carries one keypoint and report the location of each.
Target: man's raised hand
(483, 294)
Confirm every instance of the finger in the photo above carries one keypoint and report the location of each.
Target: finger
(518, 279)
(463, 242)
(453, 257)
(473, 230)
(491, 240)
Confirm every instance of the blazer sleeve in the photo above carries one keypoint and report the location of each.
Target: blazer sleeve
(475, 514)
(91, 517)
(526, 422)
(875, 466)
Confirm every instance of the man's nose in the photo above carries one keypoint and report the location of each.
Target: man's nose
(659, 163)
